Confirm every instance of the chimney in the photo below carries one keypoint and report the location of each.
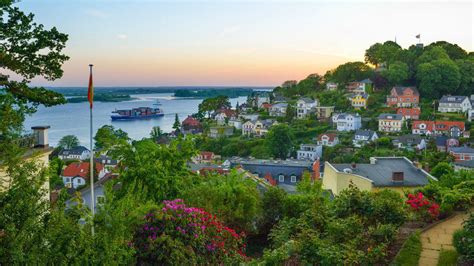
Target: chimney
(397, 176)
(41, 136)
(316, 170)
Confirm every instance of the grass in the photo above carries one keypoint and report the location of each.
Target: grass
(409, 254)
(448, 258)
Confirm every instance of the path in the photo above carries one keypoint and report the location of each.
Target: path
(439, 237)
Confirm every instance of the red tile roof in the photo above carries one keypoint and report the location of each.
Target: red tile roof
(266, 105)
(191, 121)
(207, 155)
(438, 125)
(408, 111)
(80, 169)
(228, 112)
(331, 136)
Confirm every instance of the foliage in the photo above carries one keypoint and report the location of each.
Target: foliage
(156, 133)
(352, 71)
(233, 198)
(210, 105)
(396, 73)
(28, 50)
(68, 142)
(409, 254)
(279, 141)
(176, 124)
(273, 208)
(438, 77)
(55, 168)
(107, 137)
(386, 53)
(177, 234)
(441, 169)
(463, 240)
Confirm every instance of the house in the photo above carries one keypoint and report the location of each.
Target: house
(106, 161)
(258, 128)
(331, 86)
(359, 87)
(403, 97)
(37, 150)
(454, 129)
(464, 165)
(266, 106)
(99, 193)
(444, 143)
(463, 153)
(77, 153)
(409, 142)
(362, 137)
(76, 174)
(359, 101)
(454, 104)
(278, 109)
(324, 112)
(394, 173)
(409, 113)
(309, 152)
(328, 139)
(390, 122)
(470, 115)
(235, 122)
(224, 115)
(346, 121)
(191, 125)
(205, 169)
(285, 173)
(204, 157)
(220, 131)
(243, 108)
(305, 106)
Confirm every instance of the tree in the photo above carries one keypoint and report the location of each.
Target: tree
(387, 53)
(466, 69)
(290, 113)
(273, 208)
(396, 73)
(438, 77)
(289, 83)
(453, 50)
(107, 137)
(441, 169)
(210, 105)
(28, 50)
(435, 53)
(352, 71)
(279, 141)
(68, 142)
(176, 124)
(156, 133)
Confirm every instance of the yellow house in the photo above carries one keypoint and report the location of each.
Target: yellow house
(359, 101)
(395, 173)
(39, 152)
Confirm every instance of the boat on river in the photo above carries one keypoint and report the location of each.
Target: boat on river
(137, 113)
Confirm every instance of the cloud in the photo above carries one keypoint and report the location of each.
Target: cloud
(122, 36)
(96, 13)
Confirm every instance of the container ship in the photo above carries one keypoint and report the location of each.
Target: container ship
(137, 113)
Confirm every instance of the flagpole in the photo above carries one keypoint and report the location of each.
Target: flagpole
(92, 156)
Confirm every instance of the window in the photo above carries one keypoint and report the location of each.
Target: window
(281, 178)
(293, 179)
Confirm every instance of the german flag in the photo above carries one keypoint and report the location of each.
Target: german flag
(90, 91)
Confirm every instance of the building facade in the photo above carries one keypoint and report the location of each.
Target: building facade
(347, 122)
(390, 123)
(403, 97)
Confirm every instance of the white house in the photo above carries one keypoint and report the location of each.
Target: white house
(77, 153)
(235, 122)
(390, 122)
(224, 116)
(309, 152)
(257, 128)
(331, 86)
(410, 141)
(454, 104)
(328, 139)
(362, 137)
(278, 109)
(76, 174)
(347, 122)
(305, 106)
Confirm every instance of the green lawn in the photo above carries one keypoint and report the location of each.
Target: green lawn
(448, 258)
(409, 255)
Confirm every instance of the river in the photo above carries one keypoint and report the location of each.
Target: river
(73, 118)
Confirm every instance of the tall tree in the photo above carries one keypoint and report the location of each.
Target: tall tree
(453, 50)
(107, 137)
(68, 142)
(396, 73)
(176, 124)
(28, 50)
(438, 77)
(351, 71)
(279, 141)
(156, 133)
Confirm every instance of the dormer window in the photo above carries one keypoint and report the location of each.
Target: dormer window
(281, 178)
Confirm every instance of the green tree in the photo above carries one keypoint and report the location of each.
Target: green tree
(396, 73)
(435, 53)
(107, 137)
(210, 105)
(453, 50)
(441, 169)
(279, 141)
(156, 133)
(273, 208)
(176, 124)
(68, 142)
(28, 50)
(438, 77)
(351, 71)
(290, 113)
(387, 53)
(466, 69)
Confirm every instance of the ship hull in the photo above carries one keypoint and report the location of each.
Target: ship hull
(126, 118)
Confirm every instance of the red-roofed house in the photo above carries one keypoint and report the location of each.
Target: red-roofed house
(448, 128)
(76, 174)
(191, 125)
(224, 115)
(409, 113)
(328, 139)
(403, 97)
(266, 106)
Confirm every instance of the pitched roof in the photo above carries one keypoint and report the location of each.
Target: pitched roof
(280, 105)
(80, 169)
(266, 105)
(410, 139)
(306, 100)
(380, 173)
(391, 116)
(274, 167)
(331, 136)
(366, 81)
(452, 99)
(74, 151)
(191, 121)
(227, 112)
(467, 164)
(365, 133)
(401, 90)
(408, 111)
(462, 149)
(344, 115)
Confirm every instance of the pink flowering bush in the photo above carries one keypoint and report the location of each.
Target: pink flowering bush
(423, 208)
(178, 234)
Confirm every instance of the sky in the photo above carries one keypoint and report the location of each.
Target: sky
(235, 43)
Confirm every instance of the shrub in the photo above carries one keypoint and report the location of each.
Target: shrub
(177, 234)
(409, 254)
(463, 240)
(423, 208)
